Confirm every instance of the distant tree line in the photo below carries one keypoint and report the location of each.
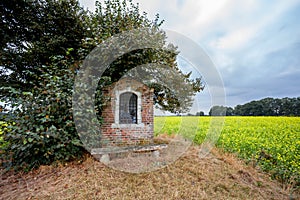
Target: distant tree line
(200, 113)
(264, 107)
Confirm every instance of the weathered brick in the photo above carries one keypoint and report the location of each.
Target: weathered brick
(132, 134)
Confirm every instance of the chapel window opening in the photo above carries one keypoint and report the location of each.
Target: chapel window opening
(128, 108)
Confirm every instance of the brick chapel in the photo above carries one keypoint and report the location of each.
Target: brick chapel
(128, 114)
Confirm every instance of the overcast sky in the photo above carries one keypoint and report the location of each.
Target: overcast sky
(254, 44)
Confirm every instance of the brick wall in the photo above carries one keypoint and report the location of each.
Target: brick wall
(115, 134)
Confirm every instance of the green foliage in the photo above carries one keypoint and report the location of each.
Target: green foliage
(34, 31)
(221, 111)
(264, 107)
(201, 113)
(218, 111)
(270, 107)
(119, 16)
(43, 44)
(43, 130)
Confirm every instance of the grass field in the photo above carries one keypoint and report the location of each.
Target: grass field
(272, 143)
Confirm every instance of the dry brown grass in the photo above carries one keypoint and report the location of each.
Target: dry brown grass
(217, 176)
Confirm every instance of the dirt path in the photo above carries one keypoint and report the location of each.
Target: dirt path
(217, 176)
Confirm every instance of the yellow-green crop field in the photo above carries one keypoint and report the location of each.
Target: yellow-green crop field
(272, 143)
(3, 125)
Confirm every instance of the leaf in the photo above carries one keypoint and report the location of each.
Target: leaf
(77, 142)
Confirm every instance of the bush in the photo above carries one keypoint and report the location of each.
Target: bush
(43, 130)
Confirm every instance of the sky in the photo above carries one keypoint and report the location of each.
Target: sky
(254, 44)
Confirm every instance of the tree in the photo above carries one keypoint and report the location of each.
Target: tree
(217, 111)
(118, 19)
(229, 111)
(270, 107)
(267, 109)
(37, 57)
(32, 32)
(201, 113)
(44, 43)
(221, 111)
(36, 30)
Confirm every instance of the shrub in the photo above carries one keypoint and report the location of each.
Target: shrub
(43, 130)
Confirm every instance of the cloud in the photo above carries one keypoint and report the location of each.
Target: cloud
(251, 42)
(88, 4)
(188, 16)
(251, 26)
(254, 44)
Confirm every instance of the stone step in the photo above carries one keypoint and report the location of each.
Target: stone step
(142, 148)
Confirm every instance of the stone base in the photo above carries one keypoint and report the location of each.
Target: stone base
(105, 155)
